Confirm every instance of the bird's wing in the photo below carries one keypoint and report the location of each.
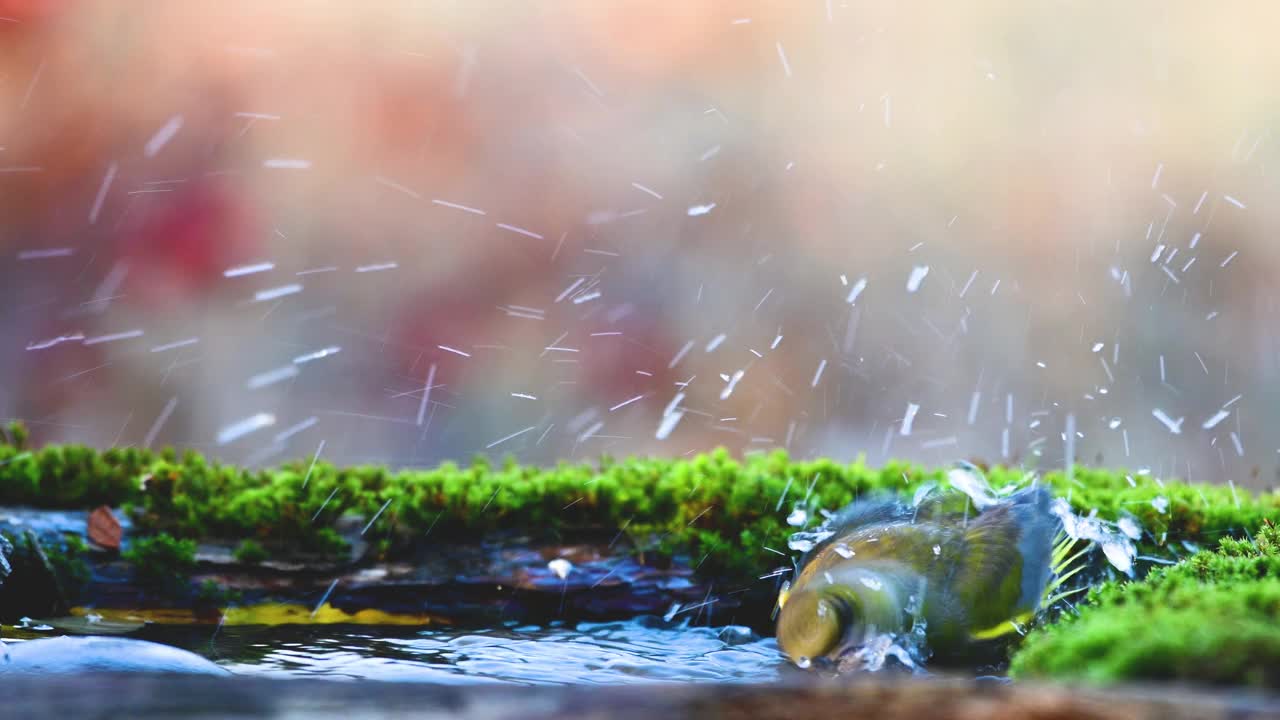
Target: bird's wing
(988, 580)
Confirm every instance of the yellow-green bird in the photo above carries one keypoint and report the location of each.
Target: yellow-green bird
(889, 565)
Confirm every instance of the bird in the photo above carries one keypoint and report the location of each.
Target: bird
(889, 567)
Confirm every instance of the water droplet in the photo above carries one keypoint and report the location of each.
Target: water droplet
(843, 551)
(560, 567)
(1161, 504)
(871, 583)
(803, 662)
(1120, 555)
(798, 517)
(937, 550)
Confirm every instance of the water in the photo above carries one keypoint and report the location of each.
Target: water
(616, 653)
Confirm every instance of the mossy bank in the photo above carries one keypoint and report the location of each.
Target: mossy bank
(728, 515)
(1213, 618)
(723, 518)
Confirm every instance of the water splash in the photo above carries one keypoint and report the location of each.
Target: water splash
(1111, 537)
(874, 654)
(969, 480)
(798, 517)
(805, 541)
(560, 567)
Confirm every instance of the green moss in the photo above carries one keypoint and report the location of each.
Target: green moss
(1212, 619)
(14, 434)
(722, 514)
(162, 562)
(211, 594)
(250, 552)
(71, 565)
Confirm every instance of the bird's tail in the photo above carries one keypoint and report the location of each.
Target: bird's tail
(1027, 517)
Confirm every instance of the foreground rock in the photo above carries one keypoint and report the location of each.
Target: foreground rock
(151, 696)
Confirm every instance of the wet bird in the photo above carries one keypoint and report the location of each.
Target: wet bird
(888, 567)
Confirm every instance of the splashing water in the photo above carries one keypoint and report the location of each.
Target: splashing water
(969, 480)
(798, 517)
(805, 541)
(1113, 538)
(874, 654)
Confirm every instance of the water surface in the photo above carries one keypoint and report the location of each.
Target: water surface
(633, 651)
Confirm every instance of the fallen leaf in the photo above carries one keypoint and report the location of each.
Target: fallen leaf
(104, 529)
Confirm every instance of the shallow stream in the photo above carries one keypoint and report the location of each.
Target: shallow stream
(634, 651)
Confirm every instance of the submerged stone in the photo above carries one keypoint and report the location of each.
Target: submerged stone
(101, 654)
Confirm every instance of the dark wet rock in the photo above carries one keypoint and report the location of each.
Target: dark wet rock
(100, 654)
(50, 525)
(33, 586)
(152, 696)
(498, 577)
(6, 564)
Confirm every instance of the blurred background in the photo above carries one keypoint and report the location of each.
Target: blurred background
(412, 231)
